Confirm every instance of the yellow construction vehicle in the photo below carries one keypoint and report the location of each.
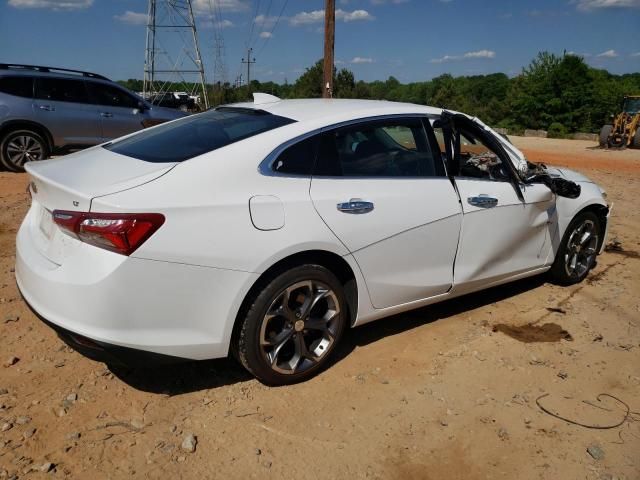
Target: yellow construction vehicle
(625, 131)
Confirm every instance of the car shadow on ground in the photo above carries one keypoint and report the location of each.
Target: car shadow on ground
(196, 376)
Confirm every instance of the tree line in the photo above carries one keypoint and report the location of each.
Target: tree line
(559, 93)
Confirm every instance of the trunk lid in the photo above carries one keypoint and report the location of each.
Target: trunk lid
(70, 183)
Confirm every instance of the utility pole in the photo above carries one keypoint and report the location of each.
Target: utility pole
(248, 61)
(329, 42)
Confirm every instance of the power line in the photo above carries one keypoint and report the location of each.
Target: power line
(265, 17)
(253, 22)
(266, 41)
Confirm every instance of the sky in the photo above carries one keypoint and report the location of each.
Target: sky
(413, 40)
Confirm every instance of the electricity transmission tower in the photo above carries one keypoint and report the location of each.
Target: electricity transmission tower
(219, 68)
(172, 53)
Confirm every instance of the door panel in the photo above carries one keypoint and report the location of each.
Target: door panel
(508, 238)
(387, 203)
(62, 105)
(407, 244)
(119, 121)
(118, 110)
(506, 225)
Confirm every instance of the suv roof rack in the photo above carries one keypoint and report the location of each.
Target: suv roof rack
(38, 68)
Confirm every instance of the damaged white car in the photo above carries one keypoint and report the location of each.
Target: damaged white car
(267, 228)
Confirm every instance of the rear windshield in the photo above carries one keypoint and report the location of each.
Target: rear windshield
(198, 134)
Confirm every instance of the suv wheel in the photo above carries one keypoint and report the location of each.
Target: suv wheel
(293, 326)
(20, 146)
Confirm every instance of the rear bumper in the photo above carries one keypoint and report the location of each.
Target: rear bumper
(122, 306)
(106, 352)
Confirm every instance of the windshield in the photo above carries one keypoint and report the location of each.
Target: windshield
(631, 105)
(192, 136)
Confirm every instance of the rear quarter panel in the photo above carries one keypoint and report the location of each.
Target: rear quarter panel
(206, 204)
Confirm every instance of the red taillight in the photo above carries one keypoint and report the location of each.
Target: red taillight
(119, 232)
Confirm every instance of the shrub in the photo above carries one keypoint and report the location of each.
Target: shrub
(556, 130)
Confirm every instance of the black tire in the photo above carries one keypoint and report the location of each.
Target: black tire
(561, 271)
(604, 135)
(35, 146)
(286, 332)
(636, 138)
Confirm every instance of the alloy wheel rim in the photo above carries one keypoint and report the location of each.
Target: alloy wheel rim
(24, 148)
(581, 249)
(300, 327)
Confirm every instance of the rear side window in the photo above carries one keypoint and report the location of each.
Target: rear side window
(61, 90)
(20, 86)
(387, 148)
(298, 159)
(102, 94)
(192, 136)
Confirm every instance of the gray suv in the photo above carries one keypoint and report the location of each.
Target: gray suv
(46, 110)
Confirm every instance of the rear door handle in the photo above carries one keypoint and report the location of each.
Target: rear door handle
(483, 201)
(106, 114)
(355, 206)
(48, 108)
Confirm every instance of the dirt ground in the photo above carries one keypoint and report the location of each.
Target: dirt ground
(445, 392)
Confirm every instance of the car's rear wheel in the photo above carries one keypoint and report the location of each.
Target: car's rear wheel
(293, 325)
(578, 250)
(18, 147)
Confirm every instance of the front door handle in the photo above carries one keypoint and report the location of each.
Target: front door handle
(48, 108)
(106, 114)
(355, 206)
(483, 201)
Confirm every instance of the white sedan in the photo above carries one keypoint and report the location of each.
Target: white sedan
(267, 228)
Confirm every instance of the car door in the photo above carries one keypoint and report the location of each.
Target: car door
(62, 106)
(383, 193)
(506, 225)
(119, 111)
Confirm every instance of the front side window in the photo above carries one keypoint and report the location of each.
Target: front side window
(198, 134)
(478, 160)
(61, 90)
(385, 148)
(102, 94)
(20, 86)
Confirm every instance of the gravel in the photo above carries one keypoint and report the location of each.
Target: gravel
(189, 443)
(596, 452)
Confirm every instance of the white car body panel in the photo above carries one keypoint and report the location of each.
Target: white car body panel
(228, 222)
(405, 247)
(523, 242)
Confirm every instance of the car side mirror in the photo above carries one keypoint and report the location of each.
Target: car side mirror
(559, 186)
(142, 106)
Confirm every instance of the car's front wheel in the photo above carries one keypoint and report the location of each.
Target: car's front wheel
(18, 147)
(578, 250)
(292, 326)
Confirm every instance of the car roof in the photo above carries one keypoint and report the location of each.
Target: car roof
(38, 71)
(303, 110)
